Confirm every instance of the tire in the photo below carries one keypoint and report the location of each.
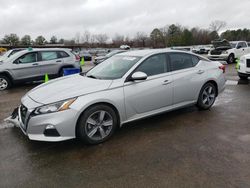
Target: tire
(207, 96)
(230, 59)
(97, 124)
(5, 83)
(60, 74)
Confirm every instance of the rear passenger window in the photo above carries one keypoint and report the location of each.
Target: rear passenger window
(154, 65)
(195, 60)
(46, 56)
(181, 61)
(62, 54)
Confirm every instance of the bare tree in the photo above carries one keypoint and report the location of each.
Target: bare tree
(217, 25)
(93, 39)
(118, 40)
(141, 37)
(86, 36)
(77, 38)
(101, 38)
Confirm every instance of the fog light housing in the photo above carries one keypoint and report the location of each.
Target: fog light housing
(51, 131)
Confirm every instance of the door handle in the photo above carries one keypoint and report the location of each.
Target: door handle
(200, 71)
(35, 64)
(166, 82)
(59, 61)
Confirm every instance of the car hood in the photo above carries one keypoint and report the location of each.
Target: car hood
(67, 87)
(221, 44)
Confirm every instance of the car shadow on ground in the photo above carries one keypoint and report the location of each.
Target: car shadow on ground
(243, 82)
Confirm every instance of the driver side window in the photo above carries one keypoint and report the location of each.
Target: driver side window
(154, 65)
(28, 58)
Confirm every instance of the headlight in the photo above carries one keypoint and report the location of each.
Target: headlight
(225, 52)
(55, 107)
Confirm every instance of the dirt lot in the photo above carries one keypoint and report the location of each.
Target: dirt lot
(185, 148)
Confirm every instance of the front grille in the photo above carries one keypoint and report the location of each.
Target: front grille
(248, 62)
(23, 113)
(215, 52)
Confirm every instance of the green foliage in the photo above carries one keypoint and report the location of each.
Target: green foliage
(176, 35)
(11, 39)
(26, 40)
(240, 34)
(40, 40)
(53, 40)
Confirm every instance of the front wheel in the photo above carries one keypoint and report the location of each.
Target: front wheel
(5, 83)
(207, 96)
(230, 59)
(97, 124)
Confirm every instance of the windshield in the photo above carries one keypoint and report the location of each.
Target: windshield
(113, 68)
(233, 44)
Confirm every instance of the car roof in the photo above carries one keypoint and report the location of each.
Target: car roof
(44, 49)
(22, 52)
(142, 53)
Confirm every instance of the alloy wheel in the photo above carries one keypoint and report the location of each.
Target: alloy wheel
(3, 84)
(208, 96)
(99, 125)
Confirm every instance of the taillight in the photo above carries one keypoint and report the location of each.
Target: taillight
(223, 68)
(78, 58)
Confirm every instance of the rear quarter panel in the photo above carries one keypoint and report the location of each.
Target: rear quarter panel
(213, 73)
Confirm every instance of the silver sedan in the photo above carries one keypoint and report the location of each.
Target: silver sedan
(124, 88)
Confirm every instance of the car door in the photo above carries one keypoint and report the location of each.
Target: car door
(240, 49)
(26, 66)
(50, 62)
(188, 77)
(244, 48)
(153, 93)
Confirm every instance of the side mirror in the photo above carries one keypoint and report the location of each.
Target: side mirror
(238, 47)
(139, 76)
(17, 61)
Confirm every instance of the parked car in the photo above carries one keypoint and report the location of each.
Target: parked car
(2, 50)
(124, 88)
(244, 67)
(125, 47)
(32, 65)
(100, 59)
(86, 55)
(201, 49)
(10, 53)
(228, 51)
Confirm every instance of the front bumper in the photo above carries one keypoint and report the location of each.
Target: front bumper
(34, 126)
(218, 57)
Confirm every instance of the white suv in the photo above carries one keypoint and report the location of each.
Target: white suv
(244, 67)
(33, 64)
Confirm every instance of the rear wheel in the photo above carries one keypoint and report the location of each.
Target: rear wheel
(97, 124)
(230, 59)
(207, 96)
(5, 83)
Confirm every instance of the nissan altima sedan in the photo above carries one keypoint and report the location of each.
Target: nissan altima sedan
(124, 88)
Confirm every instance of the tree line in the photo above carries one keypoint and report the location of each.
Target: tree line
(168, 36)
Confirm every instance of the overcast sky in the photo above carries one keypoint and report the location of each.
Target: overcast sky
(64, 18)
